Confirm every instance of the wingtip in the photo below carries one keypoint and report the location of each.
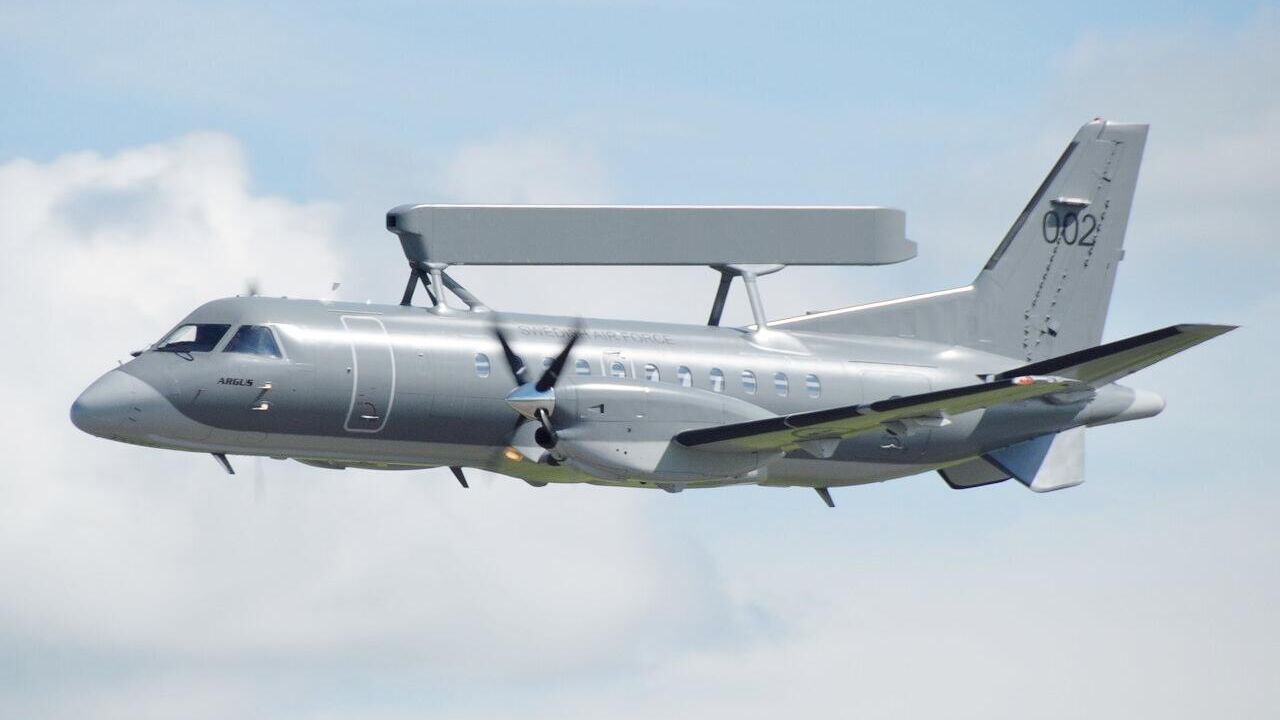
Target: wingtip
(1206, 329)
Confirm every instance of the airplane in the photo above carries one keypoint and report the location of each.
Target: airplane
(994, 380)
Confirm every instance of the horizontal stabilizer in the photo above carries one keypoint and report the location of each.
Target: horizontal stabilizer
(787, 432)
(1049, 462)
(1114, 360)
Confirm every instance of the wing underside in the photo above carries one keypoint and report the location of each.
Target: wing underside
(811, 429)
(817, 431)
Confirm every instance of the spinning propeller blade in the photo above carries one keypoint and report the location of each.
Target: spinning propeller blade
(536, 400)
(552, 374)
(513, 360)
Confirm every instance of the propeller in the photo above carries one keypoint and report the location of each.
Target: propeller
(536, 400)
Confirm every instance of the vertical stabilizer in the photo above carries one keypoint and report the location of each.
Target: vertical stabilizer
(1046, 463)
(1046, 289)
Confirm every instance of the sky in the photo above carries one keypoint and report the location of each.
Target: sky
(156, 155)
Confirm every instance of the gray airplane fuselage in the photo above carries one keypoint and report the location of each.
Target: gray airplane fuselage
(402, 387)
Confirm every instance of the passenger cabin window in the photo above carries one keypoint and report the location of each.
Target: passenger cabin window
(253, 340)
(582, 367)
(812, 385)
(193, 338)
(482, 365)
(546, 362)
(780, 384)
(617, 370)
(684, 377)
(717, 380)
(749, 382)
(651, 373)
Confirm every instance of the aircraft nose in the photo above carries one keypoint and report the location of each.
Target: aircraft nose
(105, 404)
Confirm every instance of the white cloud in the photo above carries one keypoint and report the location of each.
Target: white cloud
(1208, 170)
(147, 560)
(149, 585)
(527, 168)
(1215, 118)
(1143, 593)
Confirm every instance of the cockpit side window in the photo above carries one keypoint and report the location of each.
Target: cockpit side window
(253, 340)
(193, 338)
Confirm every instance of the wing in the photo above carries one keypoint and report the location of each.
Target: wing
(792, 431)
(1114, 360)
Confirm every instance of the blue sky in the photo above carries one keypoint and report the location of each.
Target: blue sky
(154, 155)
(706, 99)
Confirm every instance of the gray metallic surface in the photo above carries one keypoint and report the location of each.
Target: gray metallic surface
(650, 235)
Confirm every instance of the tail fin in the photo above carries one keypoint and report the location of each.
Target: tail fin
(1046, 463)
(1045, 290)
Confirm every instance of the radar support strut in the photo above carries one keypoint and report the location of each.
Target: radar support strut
(748, 273)
(433, 275)
(722, 292)
(416, 275)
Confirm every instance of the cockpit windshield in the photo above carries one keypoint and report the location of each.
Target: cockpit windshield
(200, 337)
(254, 340)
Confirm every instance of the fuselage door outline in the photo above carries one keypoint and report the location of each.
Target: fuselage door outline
(373, 374)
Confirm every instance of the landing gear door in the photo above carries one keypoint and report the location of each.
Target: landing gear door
(373, 374)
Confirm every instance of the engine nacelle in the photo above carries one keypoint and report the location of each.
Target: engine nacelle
(622, 430)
